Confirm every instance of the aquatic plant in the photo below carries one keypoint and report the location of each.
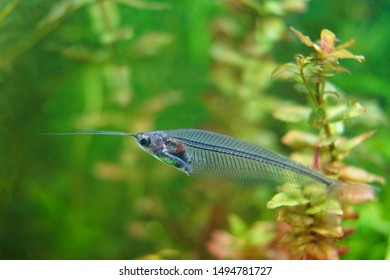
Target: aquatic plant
(309, 219)
(315, 220)
(244, 37)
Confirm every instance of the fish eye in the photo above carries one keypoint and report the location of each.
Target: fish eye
(145, 141)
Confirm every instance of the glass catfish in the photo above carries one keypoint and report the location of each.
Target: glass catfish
(196, 152)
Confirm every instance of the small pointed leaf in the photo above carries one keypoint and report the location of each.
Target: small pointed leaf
(237, 225)
(345, 145)
(333, 207)
(304, 39)
(354, 110)
(352, 173)
(286, 71)
(298, 139)
(316, 194)
(150, 44)
(331, 232)
(286, 199)
(292, 113)
(345, 54)
(124, 33)
(346, 45)
(143, 5)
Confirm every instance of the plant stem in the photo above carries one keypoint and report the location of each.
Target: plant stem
(317, 98)
(308, 88)
(320, 92)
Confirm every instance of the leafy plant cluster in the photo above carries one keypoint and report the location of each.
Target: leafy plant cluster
(309, 219)
(327, 112)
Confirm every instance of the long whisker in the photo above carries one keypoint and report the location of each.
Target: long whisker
(90, 132)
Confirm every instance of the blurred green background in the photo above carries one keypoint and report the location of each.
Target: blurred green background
(137, 65)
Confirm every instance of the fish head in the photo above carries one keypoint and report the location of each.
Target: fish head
(166, 149)
(152, 142)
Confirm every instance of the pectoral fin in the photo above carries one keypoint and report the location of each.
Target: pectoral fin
(175, 161)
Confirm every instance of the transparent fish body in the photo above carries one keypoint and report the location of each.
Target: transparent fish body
(243, 163)
(200, 152)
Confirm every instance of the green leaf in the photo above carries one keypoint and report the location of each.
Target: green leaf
(333, 207)
(337, 114)
(304, 39)
(329, 206)
(286, 199)
(121, 34)
(330, 232)
(7, 9)
(345, 54)
(261, 233)
(315, 193)
(298, 139)
(225, 54)
(345, 145)
(274, 7)
(288, 71)
(352, 173)
(150, 44)
(144, 5)
(292, 113)
(237, 225)
(61, 9)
